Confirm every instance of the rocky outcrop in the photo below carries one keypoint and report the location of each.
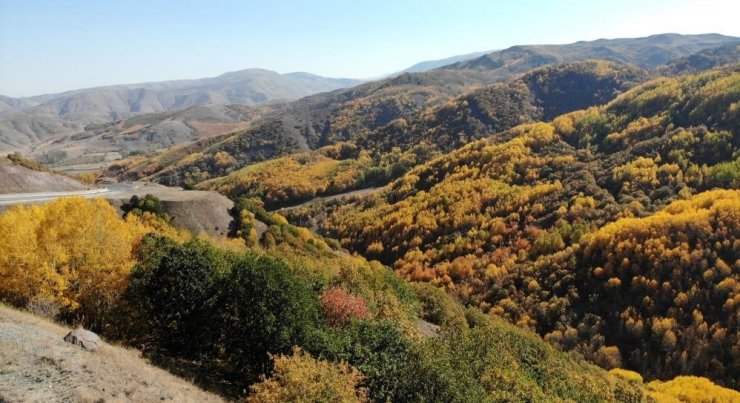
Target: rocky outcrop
(84, 338)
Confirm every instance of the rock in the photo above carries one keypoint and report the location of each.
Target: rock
(427, 329)
(84, 338)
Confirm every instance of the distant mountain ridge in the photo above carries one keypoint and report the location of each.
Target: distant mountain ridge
(283, 87)
(704, 60)
(433, 64)
(27, 120)
(648, 52)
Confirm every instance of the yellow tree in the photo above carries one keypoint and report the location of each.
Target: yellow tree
(72, 252)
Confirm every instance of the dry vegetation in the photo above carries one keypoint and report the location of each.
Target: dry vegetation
(37, 365)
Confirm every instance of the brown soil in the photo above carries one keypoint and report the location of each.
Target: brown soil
(196, 211)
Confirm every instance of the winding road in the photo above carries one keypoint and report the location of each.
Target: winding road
(358, 193)
(22, 198)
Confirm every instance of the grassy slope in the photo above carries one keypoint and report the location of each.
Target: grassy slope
(37, 365)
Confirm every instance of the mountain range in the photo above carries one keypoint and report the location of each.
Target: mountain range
(392, 111)
(27, 120)
(102, 124)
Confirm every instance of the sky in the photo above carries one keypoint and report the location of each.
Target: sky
(49, 46)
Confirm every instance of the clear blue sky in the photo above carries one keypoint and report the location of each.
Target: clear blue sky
(55, 45)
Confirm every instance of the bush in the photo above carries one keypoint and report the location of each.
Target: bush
(339, 307)
(147, 204)
(302, 378)
(19, 159)
(173, 290)
(691, 389)
(264, 309)
(437, 306)
(725, 175)
(377, 348)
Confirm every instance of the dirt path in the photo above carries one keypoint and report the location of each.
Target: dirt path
(357, 193)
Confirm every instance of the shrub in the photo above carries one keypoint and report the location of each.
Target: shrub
(726, 175)
(173, 290)
(147, 204)
(302, 378)
(608, 357)
(437, 306)
(629, 376)
(19, 159)
(264, 309)
(339, 307)
(377, 348)
(692, 389)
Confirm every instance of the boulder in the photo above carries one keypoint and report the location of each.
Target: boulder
(84, 338)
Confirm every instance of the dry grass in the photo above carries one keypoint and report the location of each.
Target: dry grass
(37, 365)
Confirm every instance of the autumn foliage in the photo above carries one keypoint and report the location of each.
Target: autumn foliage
(339, 307)
(302, 378)
(598, 230)
(72, 252)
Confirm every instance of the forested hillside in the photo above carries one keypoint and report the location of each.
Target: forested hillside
(285, 315)
(388, 152)
(599, 230)
(703, 60)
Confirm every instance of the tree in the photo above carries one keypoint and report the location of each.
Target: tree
(264, 308)
(73, 252)
(339, 307)
(174, 290)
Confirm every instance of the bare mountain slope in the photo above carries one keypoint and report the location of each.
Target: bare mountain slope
(31, 119)
(18, 179)
(140, 134)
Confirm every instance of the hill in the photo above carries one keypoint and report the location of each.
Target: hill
(433, 64)
(41, 117)
(703, 60)
(389, 151)
(313, 122)
(99, 144)
(306, 124)
(39, 366)
(407, 112)
(526, 224)
(377, 112)
(20, 176)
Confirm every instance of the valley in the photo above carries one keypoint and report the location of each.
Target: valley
(538, 223)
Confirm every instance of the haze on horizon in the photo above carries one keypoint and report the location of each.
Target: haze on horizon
(48, 46)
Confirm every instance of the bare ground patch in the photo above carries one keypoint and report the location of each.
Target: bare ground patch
(37, 365)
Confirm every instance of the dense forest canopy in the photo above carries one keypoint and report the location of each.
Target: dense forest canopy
(288, 317)
(514, 223)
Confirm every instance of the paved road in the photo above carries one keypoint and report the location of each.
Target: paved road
(21, 198)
